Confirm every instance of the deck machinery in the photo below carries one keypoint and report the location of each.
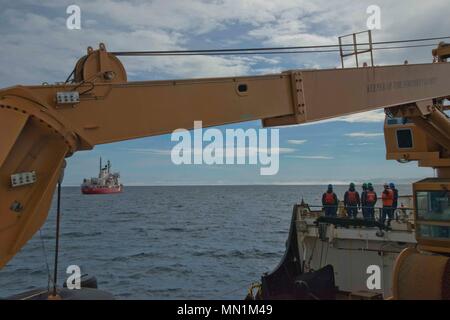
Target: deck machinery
(42, 125)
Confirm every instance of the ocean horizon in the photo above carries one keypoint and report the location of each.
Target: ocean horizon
(166, 242)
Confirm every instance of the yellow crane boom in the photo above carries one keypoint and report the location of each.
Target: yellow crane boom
(41, 125)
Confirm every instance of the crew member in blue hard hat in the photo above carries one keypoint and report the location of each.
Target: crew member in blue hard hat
(395, 200)
(352, 201)
(330, 202)
(363, 199)
(370, 201)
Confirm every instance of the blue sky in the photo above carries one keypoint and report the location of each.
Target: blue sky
(37, 47)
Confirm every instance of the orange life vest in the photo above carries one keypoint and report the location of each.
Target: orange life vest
(370, 197)
(351, 197)
(329, 198)
(388, 198)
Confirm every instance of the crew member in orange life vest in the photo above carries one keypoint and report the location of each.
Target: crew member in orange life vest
(352, 201)
(330, 202)
(388, 200)
(395, 202)
(363, 199)
(370, 201)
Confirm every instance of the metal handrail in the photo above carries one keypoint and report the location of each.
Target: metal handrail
(377, 210)
(359, 207)
(355, 51)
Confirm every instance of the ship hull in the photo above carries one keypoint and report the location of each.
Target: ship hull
(326, 254)
(101, 190)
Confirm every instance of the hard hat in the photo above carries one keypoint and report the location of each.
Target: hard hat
(352, 185)
(365, 185)
(392, 185)
(370, 184)
(330, 186)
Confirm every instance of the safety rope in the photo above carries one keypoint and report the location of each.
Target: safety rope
(44, 251)
(157, 54)
(272, 49)
(312, 254)
(58, 219)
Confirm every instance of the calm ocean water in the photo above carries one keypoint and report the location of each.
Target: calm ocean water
(190, 242)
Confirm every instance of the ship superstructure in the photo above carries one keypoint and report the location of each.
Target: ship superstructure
(342, 252)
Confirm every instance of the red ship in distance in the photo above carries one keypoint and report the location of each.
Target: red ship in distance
(105, 183)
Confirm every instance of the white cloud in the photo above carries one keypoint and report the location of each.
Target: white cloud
(179, 24)
(313, 157)
(360, 144)
(238, 151)
(137, 25)
(149, 151)
(374, 116)
(297, 142)
(362, 117)
(365, 117)
(363, 134)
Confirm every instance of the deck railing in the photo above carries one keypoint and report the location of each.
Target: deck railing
(399, 214)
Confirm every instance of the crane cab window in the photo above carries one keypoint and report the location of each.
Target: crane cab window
(433, 205)
(404, 138)
(429, 231)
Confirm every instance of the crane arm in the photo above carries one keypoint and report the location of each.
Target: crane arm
(119, 111)
(41, 125)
